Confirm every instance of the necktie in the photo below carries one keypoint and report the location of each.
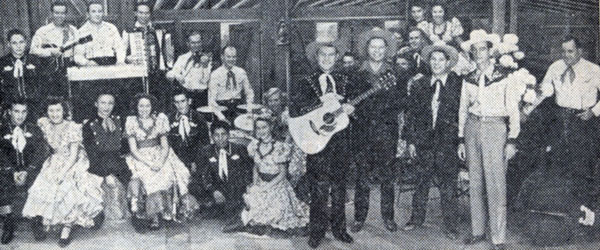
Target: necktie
(435, 102)
(223, 164)
(329, 88)
(231, 83)
(184, 127)
(568, 72)
(417, 58)
(65, 31)
(18, 68)
(18, 139)
(108, 124)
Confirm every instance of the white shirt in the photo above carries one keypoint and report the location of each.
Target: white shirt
(51, 34)
(189, 75)
(106, 43)
(217, 87)
(435, 100)
(492, 100)
(582, 93)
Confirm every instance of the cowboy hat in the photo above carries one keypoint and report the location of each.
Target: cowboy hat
(478, 36)
(388, 37)
(313, 47)
(451, 52)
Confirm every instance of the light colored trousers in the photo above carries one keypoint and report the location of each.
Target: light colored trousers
(485, 140)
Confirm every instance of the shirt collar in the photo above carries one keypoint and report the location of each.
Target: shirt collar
(139, 25)
(443, 78)
(366, 66)
(489, 71)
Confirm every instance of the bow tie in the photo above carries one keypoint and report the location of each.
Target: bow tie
(18, 139)
(223, 171)
(18, 68)
(184, 127)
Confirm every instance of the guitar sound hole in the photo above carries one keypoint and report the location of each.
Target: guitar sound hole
(328, 118)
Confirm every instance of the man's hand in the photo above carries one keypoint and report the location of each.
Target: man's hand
(586, 115)
(20, 178)
(219, 197)
(412, 151)
(55, 52)
(589, 218)
(155, 167)
(193, 167)
(348, 109)
(510, 151)
(91, 63)
(462, 152)
(111, 181)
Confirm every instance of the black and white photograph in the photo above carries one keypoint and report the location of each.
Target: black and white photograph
(300, 124)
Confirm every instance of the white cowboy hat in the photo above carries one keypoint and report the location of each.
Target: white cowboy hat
(478, 36)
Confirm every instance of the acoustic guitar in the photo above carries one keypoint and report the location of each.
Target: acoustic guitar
(312, 131)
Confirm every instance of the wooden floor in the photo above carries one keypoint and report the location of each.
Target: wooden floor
(206, 234)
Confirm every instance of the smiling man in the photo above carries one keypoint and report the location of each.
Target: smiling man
(106, 48)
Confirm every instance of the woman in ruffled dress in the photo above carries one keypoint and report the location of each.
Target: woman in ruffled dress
(270, 199)
(64, 193)
(156, 170)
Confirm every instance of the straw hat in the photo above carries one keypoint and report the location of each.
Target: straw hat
(478, 36)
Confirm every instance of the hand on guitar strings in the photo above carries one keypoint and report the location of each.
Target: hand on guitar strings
(348, 109)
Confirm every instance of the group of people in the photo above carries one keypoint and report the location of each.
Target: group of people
(449, 101)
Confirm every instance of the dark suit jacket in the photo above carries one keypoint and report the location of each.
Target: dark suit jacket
(415, 66)
(32, 73)
(31, 160)
(198, 137)
(239, 167)
(418, 130)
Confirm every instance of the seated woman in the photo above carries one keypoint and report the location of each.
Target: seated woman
(443, 29)
(270, 200)
(64, 193)
(154, 166)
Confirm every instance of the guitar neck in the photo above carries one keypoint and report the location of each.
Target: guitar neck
(364, 96)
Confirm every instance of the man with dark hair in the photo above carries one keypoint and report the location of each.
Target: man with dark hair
(376, 129)
(106, 48)
(47, 43)
(575, 84)
(225, 170)
(149, 46)
(192, 71)
(326, 169)
(104, 145)
(22, 152)
(412, 53)
(189, 130)
(432, 109)
(229, 83)
(418, 14)
(20, 72)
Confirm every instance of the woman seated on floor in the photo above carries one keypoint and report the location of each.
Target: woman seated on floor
(270, 200)
(154, 166)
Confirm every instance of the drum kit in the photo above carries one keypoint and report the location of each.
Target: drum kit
(243, 123)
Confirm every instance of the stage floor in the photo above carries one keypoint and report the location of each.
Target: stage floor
(206, 234)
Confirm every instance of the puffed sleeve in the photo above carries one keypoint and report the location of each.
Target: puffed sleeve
(283, 152)
(456, 28)
(130, 126)
(162, 124)
(74, 133)
(252, 147)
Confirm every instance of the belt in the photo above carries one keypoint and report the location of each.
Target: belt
(196, 90)
(488, 118)
(570, 110)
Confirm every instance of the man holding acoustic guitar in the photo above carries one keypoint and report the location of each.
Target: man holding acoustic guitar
(327, 163)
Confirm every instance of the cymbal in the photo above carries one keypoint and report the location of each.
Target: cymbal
(211, 109)
(244, 122)
(250, 106)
